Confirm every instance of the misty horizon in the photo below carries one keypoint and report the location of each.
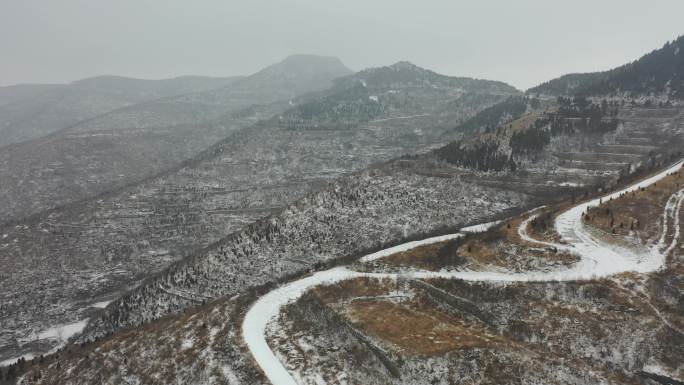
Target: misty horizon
(522, 44)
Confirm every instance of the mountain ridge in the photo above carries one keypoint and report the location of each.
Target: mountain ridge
(659, 74)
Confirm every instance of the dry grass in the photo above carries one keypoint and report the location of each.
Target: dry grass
(418, 330)
(353, 288)
(638, 213)
(432, 257)
(500, 247)
(412, 324)
(503, 247)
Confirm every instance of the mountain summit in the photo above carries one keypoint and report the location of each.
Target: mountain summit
(307, 65)
(406, 74)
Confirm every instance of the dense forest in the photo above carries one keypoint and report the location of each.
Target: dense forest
(661, 71)
(569, 84)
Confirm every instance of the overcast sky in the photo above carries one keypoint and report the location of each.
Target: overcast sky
(522, 42)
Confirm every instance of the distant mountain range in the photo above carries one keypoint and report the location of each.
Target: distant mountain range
(134, 142)
(36, 110)
(249, 160)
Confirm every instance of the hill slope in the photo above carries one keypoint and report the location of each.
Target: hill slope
(132, 143)
(41, 110)
(659, 73)
(256, 171)
(10, 94)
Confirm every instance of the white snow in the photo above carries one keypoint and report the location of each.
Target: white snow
(11, 361)
(598, 259)
(187, 343)
(62, 333)
(408, 246)
(101, 304)
(267, 308)
(481, 228)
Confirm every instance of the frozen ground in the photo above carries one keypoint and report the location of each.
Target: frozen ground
(598, 259)
(59, 333)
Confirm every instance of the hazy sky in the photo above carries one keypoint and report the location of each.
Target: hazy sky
(522, 42)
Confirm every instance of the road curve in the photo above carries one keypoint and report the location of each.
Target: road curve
(597, 259)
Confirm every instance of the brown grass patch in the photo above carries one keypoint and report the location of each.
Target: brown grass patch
(416, 329)
(432, 257)
(357, 287)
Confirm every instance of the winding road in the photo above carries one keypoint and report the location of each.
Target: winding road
(598, 258)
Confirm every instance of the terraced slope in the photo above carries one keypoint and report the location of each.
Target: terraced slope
(642, 131)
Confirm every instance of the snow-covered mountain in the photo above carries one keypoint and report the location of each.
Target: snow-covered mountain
(128, 234)
(381, 157)
(132, 143)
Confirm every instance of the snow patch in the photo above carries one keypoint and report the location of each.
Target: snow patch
(187, 343)
(62, 333)
(11, 361)
(481, 228)
(101, 304)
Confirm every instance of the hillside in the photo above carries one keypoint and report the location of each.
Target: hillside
(10, 94)
(132, 143)
(309, 224)
(396, 226)
(126, 235)
(658, 74)
(402, 199)
(40, 110)
(567, 85)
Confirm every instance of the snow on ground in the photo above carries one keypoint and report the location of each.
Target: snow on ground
(187, 343)
(10, 361)
(101, 304)
(59, 333)
(481, 228)
(62, 333)
(408, 246)
(598, 259)
(267, 309)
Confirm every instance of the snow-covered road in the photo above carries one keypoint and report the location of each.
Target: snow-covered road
(598, 258)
